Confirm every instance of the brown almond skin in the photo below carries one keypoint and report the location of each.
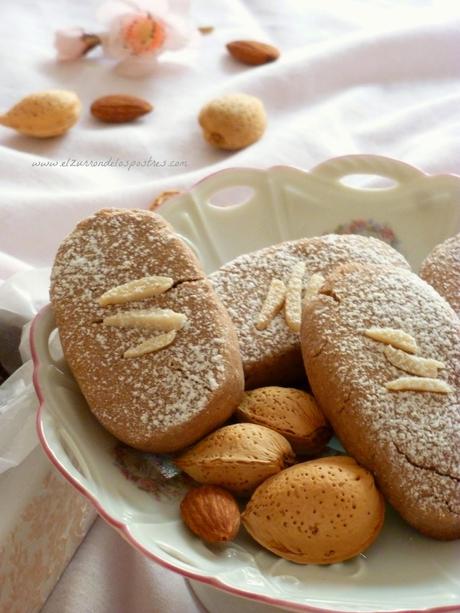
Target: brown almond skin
(211, 513)
(119, 108)
(252, 53)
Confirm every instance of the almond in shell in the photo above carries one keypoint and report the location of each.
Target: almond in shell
(233, 121)
(211, 513)
(291, 412)
(318, 512)
(119, 108)
(252, 52)
(237, 457)
(44, 114)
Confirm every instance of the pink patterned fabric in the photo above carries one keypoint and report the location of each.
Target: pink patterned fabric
(107, 575)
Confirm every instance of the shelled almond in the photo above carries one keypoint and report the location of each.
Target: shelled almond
(211, 513)
(252, 52)
(119, 108)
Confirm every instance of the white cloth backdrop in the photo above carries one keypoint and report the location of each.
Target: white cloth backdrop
(355, 76)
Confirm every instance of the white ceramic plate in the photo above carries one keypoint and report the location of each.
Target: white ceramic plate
(139, 494)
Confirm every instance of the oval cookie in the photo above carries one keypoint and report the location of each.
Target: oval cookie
(149, 343)
(441, 269)
(396, 411)
(270, 347)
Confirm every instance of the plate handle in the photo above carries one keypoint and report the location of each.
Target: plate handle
(231, 177)
(39, 336)
(338, 168)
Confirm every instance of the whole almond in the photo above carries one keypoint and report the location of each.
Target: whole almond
(44, 114)
(211, 513)
(238, 457)
(119, 108)
(319, 512)
(291, 412)
(233, 121)
(252, 53)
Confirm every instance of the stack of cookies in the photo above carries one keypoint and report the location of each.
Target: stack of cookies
(164, 355)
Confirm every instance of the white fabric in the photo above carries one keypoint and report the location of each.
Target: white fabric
(355, 76)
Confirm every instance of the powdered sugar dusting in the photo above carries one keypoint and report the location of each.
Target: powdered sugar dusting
(421, 427)
(107, 241)
(159, 390)
(242, 285)
(442, 270)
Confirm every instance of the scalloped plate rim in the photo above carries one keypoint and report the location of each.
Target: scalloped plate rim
(123, 529)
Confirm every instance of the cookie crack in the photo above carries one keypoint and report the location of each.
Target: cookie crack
(421, 467)
(181, 281)
(100, 320)
(205, 385)
(451, 508)
(331, 294)
(319, 351)
(345, 402)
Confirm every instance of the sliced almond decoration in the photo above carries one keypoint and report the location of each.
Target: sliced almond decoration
(415, 365)
(158, 319)
(418, 384)
(136, 290)
(293, 304)
(313, 286)
(390, 336)
(152, 344)
(272, 304)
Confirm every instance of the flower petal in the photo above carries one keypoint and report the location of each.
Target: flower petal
(110, 11)
(181, 7)
(154, 7)
(112, 42)
(145, 28)
(179, 33)
(69, 44)
(136, 67)
(116, 8)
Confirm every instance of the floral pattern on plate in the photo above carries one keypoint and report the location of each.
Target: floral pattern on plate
(369, 227)
(151, 472)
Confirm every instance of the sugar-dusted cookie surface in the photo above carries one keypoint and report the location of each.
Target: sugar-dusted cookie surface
(372, 340)
(441, 269)
(162, 400)
(272, 356)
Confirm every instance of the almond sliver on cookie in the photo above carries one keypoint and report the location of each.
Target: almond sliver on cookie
(136, 290)
(293, 304)
(313, 286)
(418, 384)
(415, 365)
(158, 319)
(272, 305)
(390, 336)
(152, 344)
